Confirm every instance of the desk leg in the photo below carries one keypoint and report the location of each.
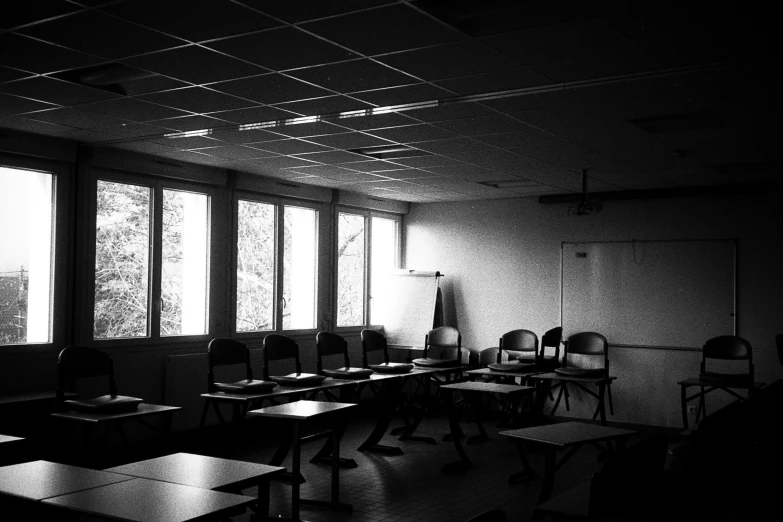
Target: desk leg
(549, 476)
(601, 402)
(464, 462)
(478, 406)
(338, 428)
(409, 430)
(295, 466)
(527, 472)
(283, 448)
(684, 406)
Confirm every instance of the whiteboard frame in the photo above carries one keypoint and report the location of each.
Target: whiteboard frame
(735, 315)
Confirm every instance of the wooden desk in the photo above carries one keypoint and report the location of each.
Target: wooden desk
(554, 437)
(144, 500)
(41, 479)
(706, 386)
(110, 421)
(544, 383)
(296, 414)
(476, 389)
(230, 476)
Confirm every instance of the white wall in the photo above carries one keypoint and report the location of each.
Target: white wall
(502, 264)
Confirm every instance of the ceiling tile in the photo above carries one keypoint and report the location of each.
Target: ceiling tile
(7, 74)
(485, 158)
(519, 140)
(420, 92)
(187, 143)
(27, 125)
(304, 130)
(495, 82)
(353, 76)
(76, 118)
(354, 177)
(372, 166)
(282, 48)
(290, 146)
(133, 130)
(384, 30)
(302, 10)
(236, 152)
(197, 99)
(102, 35)
(324, 106)
(374, 121)
(54, 91)
(234, 135)
(452, 145)
(453, 111)
(255, 115)
(425, 162)
(194, 64)
(282, 162)
(405, 174)
(146, 147)
(189, 123)
(350, 140)
(321, 170)
(450, 61)
(493, 124)
(194, 20)
(131, 109)
(470, 173)
(14, 105)
(28, 54)
(270, 88)
(332, 157)
(413, 133)
(21, 13)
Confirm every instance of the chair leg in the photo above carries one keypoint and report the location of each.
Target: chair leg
(609, 393)
(557, 402)
(568, 406)
(204, 411)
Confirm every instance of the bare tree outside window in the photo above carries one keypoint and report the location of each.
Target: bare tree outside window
(255, 266)
(350, 270)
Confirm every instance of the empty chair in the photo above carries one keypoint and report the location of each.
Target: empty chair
(222, 351)
(326, 344)
(551, 339)
(278, 348)
(521, 348)
(444, 341)
(373, 341)
(83, 362)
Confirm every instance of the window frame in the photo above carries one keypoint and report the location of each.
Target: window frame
(279, 204)
(157, 185)
(368, 233)
(61, 312)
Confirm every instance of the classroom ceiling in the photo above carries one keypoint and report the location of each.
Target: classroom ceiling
(418, 101)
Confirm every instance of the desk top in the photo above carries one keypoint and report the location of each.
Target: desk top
(698, 381)
(566, 434)
(143, 500)
(282, 391)
(500, 373)
(199, 471)
(9, 438)
(142, 410)
(490, 387)
(301, 410)
(557, 377)
(41, 479)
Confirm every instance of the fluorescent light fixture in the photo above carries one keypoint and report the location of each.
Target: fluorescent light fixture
(188, 134)
(509, 183)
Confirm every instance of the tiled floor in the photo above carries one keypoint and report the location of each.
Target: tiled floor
(409, 487)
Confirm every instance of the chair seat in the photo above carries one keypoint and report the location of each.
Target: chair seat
(246, 386)
(298, 379)
(391, 367)
(581, 372)
(429, 362)
(513, 367)
(348, 373)
(726, 378)
(104, 404)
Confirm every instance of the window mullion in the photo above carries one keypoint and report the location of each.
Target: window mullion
(367, 269)
(279, 255)
(156, 262)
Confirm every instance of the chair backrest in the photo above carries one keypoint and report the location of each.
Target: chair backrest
(444, 337)
(81, 362)
(519, 341)
(328, 343)
(373, 341)
(629, 482)
(589, 344)
(727, 348)
(552, 339)
(279, 347)
(223, 351)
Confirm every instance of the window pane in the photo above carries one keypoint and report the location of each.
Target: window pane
(255, 266)
(299, 268)
(383, 257)
(185, 263)
(26, 211)
(122, 241)
(350, 270)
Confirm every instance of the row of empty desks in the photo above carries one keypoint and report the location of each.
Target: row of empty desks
(179, 487)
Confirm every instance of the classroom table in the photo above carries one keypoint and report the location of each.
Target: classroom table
(296, 415)
(110, 421)
(144, 500)
(552, 438)
(476, 390)
(230, 476)
(544, 385)
(41, 479)
(706, 386)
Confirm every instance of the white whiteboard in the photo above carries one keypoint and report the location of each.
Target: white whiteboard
(406, 306)
(673, 294)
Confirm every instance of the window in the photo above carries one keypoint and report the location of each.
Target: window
(362, 237)
(277, 263)
(26, 255)
(130, 273)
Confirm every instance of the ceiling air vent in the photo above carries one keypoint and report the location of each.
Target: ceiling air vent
(112, 77)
